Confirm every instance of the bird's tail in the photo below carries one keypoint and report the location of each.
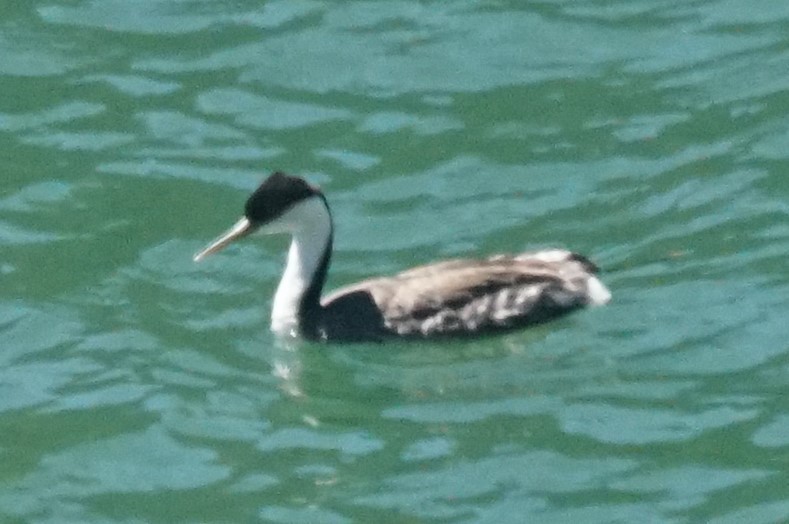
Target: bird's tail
(596, 292)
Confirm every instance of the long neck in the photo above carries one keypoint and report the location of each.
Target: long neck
(297, 309)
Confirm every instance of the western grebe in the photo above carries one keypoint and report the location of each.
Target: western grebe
(458, 297)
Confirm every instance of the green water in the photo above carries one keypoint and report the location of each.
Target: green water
(137, 386)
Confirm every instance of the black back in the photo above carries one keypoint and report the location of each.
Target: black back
(275, 195)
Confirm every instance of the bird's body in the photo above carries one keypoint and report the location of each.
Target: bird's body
(461, 297)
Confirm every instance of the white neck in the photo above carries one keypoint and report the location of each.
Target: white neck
(310, 224)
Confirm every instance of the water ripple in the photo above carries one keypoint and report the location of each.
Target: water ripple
(136, 386)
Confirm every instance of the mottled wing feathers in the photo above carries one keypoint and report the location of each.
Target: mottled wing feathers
(469, 296)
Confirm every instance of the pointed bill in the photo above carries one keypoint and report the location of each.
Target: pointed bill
(241, 229)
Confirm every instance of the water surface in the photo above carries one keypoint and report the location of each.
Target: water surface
(137, 386)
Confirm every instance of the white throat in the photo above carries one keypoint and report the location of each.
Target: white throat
(309, 223)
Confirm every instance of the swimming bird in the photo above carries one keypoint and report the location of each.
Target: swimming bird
(459, 297)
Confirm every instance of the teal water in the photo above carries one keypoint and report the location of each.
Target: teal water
(136, 386)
